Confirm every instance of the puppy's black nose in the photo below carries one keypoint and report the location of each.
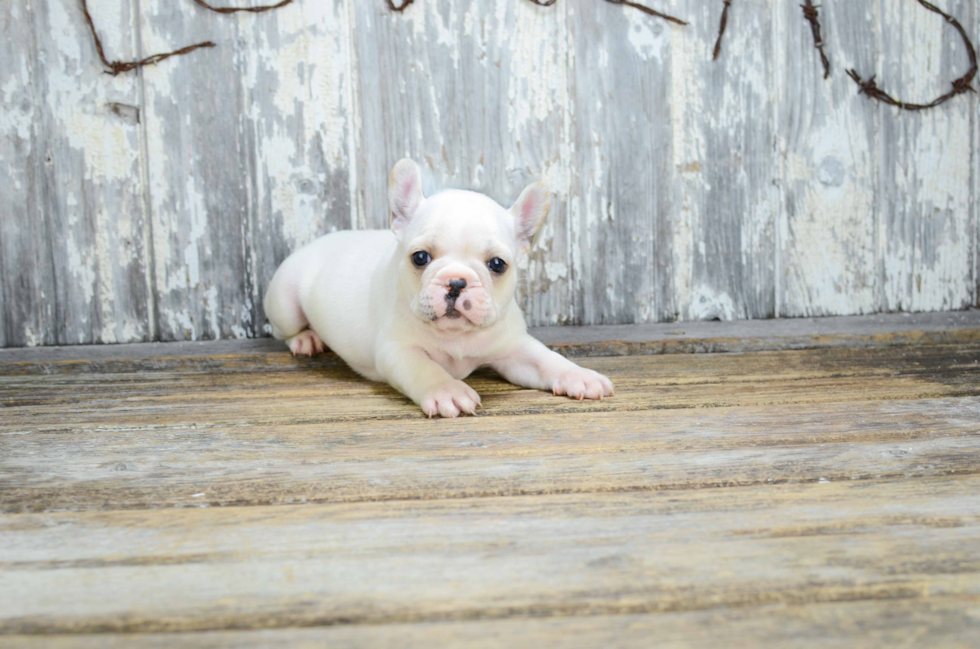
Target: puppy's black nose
(457, 284)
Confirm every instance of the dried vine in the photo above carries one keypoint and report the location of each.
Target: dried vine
(647, 10)
(643, 8)
(404, 5)
(721, 30)
(868, 87)
(811, 14)
(118, 67)
(231, 10)
(960, 85)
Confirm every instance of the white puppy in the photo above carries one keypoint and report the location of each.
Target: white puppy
(424, 304)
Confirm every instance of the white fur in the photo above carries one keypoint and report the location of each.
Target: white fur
(359, 293)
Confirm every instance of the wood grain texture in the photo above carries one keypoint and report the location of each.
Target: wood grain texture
(924, 209)
(723, 216)
(620, 82)
(73, 260)
(200, 166)
(261, 567)
(828, 145)
(823, 495)
(266, 428)
(156, 205)
(23, 317)
(885, 622)
(299, 128)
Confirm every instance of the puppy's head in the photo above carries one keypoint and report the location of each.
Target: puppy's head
(459, 249)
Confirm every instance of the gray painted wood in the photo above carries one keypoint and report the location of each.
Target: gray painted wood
(73, 248)
(621, 197)
(22, 260)
(157, 205)
(827, 143)
(924, 206)
(201, 173)
(298, 130)
(723, 220)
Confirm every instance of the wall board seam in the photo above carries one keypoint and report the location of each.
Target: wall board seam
(152, 310)
(776, 189)
(353, 98)
(566, 148)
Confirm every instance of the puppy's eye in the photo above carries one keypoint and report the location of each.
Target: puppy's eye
(497, 265)
(421, 258)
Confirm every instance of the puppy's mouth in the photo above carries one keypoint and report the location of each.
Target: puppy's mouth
(452, 313)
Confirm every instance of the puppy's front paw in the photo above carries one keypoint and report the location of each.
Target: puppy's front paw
(449, 399)
(306, 342)
(581, 383)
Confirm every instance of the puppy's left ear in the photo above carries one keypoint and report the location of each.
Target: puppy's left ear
(404, 193)
(529, 212)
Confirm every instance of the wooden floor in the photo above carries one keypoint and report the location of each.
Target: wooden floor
(238, 496)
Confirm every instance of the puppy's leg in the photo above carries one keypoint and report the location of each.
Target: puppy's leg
(410, 371)
(285, 314)
(533, 365)
(306, 342)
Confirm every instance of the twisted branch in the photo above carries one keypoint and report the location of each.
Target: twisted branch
(960, 85)
(810, 13)
(404, 5)
(117, 67)
(647, 10)
(721, 30)
(231, 10)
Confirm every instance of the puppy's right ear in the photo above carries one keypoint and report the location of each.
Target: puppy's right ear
(404, 193)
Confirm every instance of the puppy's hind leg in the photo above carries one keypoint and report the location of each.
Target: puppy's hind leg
(282, 308)
(306, 342)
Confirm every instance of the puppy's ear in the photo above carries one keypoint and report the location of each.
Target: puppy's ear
(404, 193)
(529, 212)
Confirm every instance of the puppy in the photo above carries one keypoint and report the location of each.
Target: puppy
(424, 304)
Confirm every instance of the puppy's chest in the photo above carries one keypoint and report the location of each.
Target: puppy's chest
(458, 368)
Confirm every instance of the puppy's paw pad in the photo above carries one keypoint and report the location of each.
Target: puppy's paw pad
(306, 342)
(450, 400)
(582, 383)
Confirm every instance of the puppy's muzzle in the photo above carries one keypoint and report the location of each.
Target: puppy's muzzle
(455, 286)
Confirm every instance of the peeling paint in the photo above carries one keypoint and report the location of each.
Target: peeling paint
(683, 188)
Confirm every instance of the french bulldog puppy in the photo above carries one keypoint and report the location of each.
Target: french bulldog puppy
(424, 304)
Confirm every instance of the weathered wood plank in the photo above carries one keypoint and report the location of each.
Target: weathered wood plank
(242, 389)
(298, 120)
(140, 464)
(621, 194)
(256, 567)
(200, 171)
(476, 92)
(267, 428)
(723, 219)
(924, 206)
(24, 320)
(829, 153)
(74, 257)
(880, 330)
(939, 621)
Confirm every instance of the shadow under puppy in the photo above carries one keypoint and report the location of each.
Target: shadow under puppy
(424, 304)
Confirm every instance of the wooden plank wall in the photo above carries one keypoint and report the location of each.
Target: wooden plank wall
(155, 205)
